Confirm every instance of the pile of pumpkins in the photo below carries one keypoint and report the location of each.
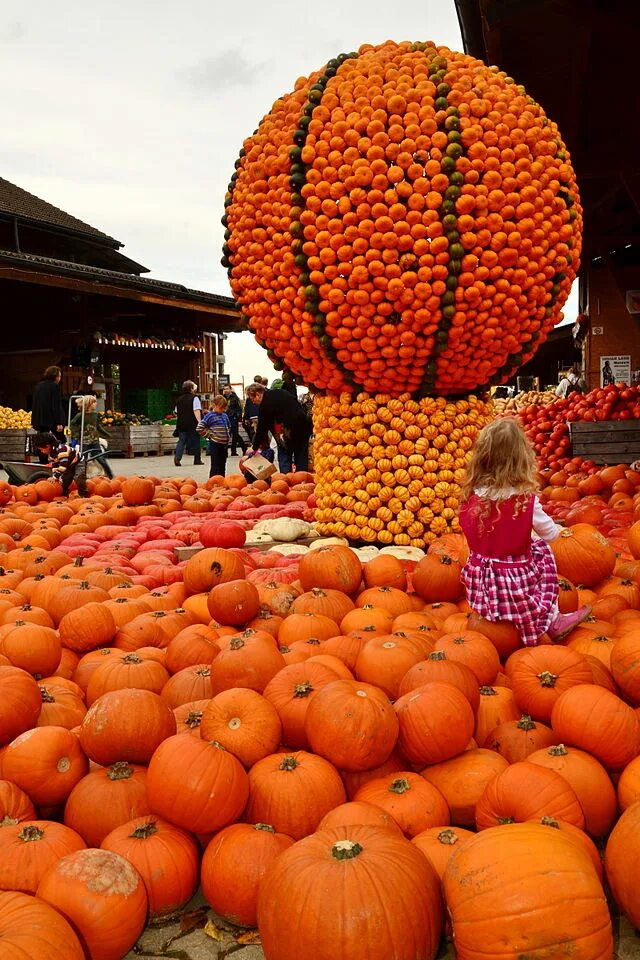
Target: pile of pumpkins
(389, 470)
(332, 757)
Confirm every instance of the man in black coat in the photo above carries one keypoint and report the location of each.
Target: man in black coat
(47, 414)
(280, 413)
(234, 412)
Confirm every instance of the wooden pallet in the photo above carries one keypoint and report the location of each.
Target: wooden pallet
(607, 441)
(129, 440)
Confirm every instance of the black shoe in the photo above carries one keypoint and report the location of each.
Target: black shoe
(197, 463)
(176, 462)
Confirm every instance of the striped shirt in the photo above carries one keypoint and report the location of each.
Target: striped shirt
(63, 457)
(217, 427)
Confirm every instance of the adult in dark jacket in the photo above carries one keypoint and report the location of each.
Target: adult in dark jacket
(47, 414)
(234, 412)
(189, 414)
(280, 413)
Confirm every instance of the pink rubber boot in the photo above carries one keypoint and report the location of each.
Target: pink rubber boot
(564, 623)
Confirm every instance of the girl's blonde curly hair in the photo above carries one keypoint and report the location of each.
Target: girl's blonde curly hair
(503, 458)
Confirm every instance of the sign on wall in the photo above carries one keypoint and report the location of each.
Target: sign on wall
(615, 369)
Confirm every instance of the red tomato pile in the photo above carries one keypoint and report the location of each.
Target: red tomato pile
(548, 427)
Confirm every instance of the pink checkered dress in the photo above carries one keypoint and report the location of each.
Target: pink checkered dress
(520, 587)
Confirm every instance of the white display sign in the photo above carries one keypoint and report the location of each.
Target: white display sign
(615, 369)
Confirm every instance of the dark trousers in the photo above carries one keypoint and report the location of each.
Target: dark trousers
(191, 443)
(236, 440)
(218, 455)
(297, 453)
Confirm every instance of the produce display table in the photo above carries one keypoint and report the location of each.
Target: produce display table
(127, 440)
(608, 441)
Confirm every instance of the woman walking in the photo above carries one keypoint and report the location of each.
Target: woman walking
(189, 414)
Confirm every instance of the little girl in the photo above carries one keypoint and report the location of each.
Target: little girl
(510, 576)
(216, 427)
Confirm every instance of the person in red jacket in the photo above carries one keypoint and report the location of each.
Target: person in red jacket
(511, 575)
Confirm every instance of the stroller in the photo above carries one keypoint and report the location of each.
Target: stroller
(23, 472)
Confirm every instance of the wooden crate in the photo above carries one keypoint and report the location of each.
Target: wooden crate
(13, 444)
(127, 440)
(607, 441)
(167, 439)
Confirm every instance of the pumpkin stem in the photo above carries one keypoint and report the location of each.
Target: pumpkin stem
(284, 649)
(217, 745)
(289, 763)
(458, 640)
(132, 658)
(316, 592)
(559, 751)
(302, 689)
(46, 696)
(526, 723)
(548, 679)
(504, 820)
(193, 719)
(448, 836)
(78, 562)
(549, 822)
(84, 585)
(401, 785)
(313, 641)
(120, 771)
(264, 826)
(144, 831)
(30, 833)
(8, 821)
(203, 671)
(437, 655)
(158, 614)
(345, 850)
(236, 644)
(446, 560)
(488, 691)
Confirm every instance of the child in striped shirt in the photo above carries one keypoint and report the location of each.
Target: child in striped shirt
(216, 427)
(65, 463)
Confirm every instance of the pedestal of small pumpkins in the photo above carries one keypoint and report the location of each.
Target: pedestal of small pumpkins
(390, 469)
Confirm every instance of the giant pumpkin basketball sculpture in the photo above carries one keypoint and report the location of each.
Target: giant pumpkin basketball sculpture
(406, 221)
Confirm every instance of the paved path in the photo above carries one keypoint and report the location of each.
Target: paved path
(164, 467)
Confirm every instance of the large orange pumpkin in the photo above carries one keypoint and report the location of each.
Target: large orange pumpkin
(102, 896)
(505, 866)
(234, 865)
(584, 555)
(27, 920)
(334, 872)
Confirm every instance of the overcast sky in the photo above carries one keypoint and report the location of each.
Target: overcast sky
(130, 114)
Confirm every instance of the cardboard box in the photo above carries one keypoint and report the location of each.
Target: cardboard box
(259, 467)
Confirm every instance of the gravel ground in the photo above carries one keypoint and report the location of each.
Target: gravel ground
(199, 935)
